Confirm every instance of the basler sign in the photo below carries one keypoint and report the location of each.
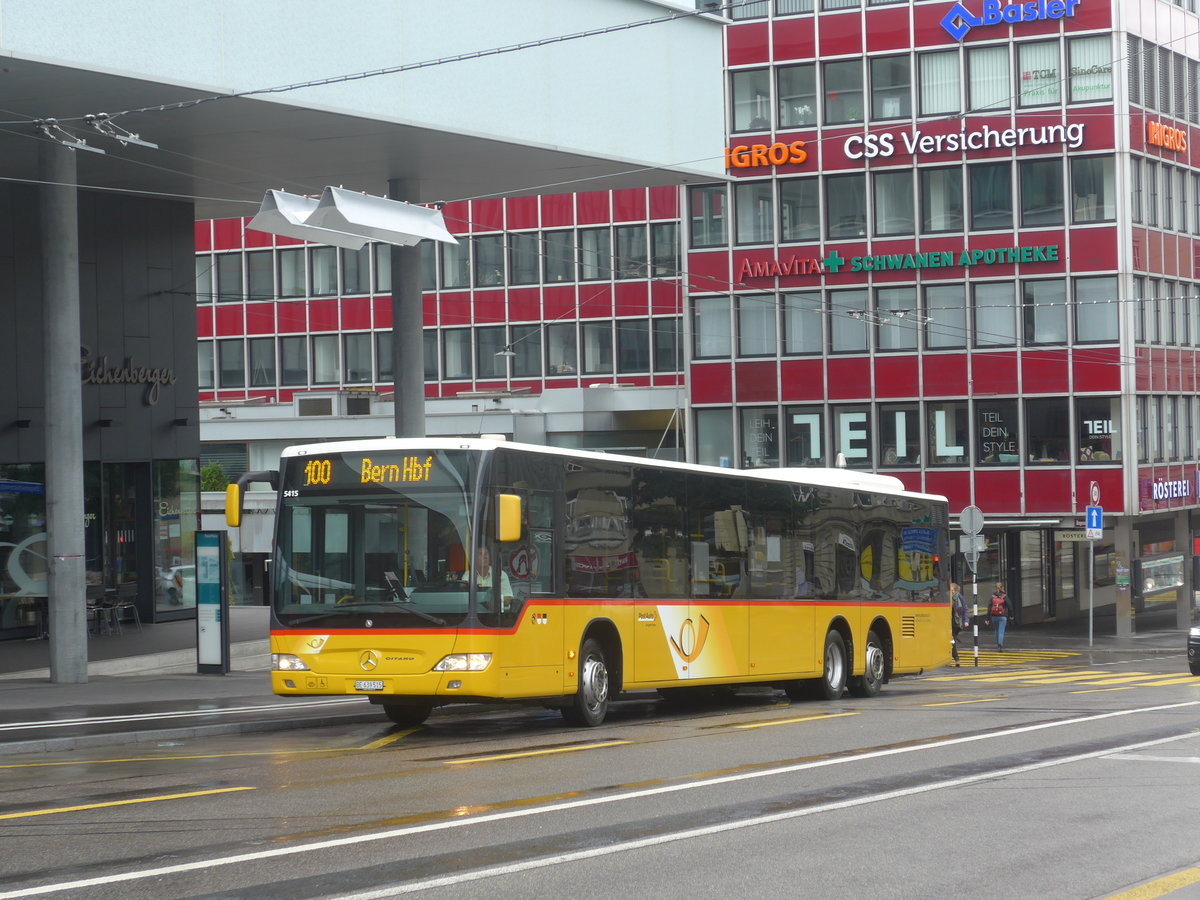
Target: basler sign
(960, 19)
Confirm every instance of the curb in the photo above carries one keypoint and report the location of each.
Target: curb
(246, 656)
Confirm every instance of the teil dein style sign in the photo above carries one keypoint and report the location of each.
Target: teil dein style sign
(960, 19)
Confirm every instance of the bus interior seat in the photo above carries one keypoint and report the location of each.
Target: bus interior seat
(456, 559)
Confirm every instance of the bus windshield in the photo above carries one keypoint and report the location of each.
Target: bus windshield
(374, 544)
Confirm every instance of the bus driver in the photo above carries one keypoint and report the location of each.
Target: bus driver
(484, 574)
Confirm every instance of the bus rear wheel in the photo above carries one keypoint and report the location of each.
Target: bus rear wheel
(589, 706)
(833, 676)
(870, 682)
(407, 714)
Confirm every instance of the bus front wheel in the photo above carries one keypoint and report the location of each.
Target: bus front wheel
(870, 682)
(407, 714)
(590, 703)
(833, 675)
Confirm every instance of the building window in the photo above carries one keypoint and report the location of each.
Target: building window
(456, 353)
(843, 86)
(1164, 80)
(385, 365)
(754, 203)
(939, 83)
(760, 438)
(204, 279)
(714, 437)
(792, 7)
(633, 345)
(1039, 82)
(797, 96)
(291, 272)
(1091, 69)
(941, 200)
(756, 325)
(845, 206)
(357, 358)
(428, 265)
(1149, 57)
(668, 348)
(204, 364)
(805, 436)
(664, 249)
(949, 432)
(899, 435)
(523, 259)
(898, 317)
(752, 9)
(991, 196)
(632, 256)
(293, 360)
(751, 94)
(430, 355)
(597, 340)
(1133, 53)
(799, 210)
(710, 327)
(848, 321)
(1048, 430)
(988, 84)
(323, 264)
(852, 435)
(325, 368)
(560, 256)
(561, 349)
(456, 260)
(1041, 193)
(262, 362)
(1044, 311)
(1098, 424)
(1143, 428)
(706, 207)
(526, 343)
(489, 342)
(1097, 309)
(893, 202)
(383, 268)
(231, 362)
(995, 314)
(260, 274)
(1151, 193)
(356, 270)
(945, 316)
(489, 260)
(1168, 197)
(1135, 189)
(595, 254)
(998, 431)
(1183, 201)
(1093, 189)
(891, 87)
(229, 277)
(803, 323)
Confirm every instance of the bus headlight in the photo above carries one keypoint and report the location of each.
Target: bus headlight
(464, 662)
(286, 662)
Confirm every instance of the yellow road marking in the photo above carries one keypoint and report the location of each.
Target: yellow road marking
(389, 739)
(112, 803)
(960, 702)
(1178, 679)
(1160, 887)
(1129, 687)
(793, 721)
(498, 756)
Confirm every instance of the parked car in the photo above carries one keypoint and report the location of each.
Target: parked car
(172, 582)
(1193, 646)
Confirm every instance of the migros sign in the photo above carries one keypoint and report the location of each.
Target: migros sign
(1167, 137)
(750, 156)
(960, 19)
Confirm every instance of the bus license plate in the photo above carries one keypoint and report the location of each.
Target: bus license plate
(368, 685)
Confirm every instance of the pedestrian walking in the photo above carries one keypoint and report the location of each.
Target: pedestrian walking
(960, 620)
(1000, 610)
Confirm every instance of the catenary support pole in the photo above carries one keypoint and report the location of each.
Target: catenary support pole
(408, 342)
(59, 217)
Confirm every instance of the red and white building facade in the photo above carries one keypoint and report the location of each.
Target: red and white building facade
(958, 244)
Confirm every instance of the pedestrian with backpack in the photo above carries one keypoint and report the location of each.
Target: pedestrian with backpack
(999, 611)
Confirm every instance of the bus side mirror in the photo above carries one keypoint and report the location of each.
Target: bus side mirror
(508, 517)
(233, 505)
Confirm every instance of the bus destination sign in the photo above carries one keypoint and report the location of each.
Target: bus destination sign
(320, 471)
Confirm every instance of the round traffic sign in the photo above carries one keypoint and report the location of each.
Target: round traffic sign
(1095, 493)
(970, 520)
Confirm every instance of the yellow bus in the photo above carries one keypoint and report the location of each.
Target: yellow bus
(425, 572)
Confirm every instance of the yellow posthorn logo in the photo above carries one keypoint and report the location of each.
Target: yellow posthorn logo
(369, 660)
(692, 638)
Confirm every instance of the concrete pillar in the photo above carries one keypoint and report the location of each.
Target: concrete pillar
(1183, 596)
(59, 220)
(408, 346)
(1126, 553)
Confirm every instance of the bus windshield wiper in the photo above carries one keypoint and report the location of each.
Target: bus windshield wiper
(389, 607)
